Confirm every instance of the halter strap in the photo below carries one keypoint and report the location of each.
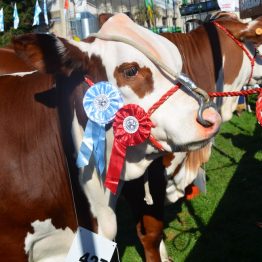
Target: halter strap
(241, 45)
(155, 106)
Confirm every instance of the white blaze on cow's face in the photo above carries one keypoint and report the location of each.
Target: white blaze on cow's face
(142, 82)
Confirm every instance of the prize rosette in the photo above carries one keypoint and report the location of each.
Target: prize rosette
(132, 126)
(101, 102)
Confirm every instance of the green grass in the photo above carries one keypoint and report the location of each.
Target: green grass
(221, 225)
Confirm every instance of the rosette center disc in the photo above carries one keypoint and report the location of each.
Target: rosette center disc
(101, 102)
(130, 124)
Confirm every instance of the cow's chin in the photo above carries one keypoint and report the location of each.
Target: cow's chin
(192, 146)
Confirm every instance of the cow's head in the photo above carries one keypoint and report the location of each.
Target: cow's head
(139, 79)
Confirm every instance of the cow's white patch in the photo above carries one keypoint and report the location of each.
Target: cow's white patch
(102, 203)
(230, 103)
(77, 132)
(46, 243)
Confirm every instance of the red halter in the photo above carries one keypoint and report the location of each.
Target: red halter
(155, 106)
(240, 44)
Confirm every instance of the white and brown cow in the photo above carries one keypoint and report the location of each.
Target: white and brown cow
(215, 62)
(42, 128)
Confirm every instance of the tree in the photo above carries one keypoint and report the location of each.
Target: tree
(26, 13)
(141, 15)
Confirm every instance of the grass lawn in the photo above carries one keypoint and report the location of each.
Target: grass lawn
(221, 225)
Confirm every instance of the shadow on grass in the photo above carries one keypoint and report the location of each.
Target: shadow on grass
(233, 233)
(126, 235)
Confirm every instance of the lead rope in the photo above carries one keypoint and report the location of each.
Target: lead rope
(245, 92)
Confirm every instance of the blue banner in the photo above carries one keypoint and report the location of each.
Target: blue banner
(45, 13)
(2, 28)
(37, 13)
(16, 17)
(101, 102)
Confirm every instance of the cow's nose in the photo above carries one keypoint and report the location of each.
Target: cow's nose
(213, 118)
(203, 105)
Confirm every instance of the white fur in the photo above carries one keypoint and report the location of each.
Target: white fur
(46, 243)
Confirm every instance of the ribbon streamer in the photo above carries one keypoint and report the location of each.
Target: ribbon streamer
(132, 126)
(101, 102)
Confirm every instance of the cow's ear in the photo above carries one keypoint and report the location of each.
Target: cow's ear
(102, 18)
(50, 54)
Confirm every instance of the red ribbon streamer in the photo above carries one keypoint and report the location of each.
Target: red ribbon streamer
(124, 137)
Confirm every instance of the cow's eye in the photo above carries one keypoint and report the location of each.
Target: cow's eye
(132, 71)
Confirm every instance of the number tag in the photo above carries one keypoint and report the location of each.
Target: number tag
(90, 247)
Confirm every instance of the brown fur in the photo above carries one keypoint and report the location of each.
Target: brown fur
(38, 160)
(203, 61)
(141, 84)
(196, 158)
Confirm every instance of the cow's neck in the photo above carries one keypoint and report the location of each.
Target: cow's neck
(68, 104)
(214, 66)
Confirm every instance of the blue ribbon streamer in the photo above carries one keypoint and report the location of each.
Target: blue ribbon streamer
(101, 102)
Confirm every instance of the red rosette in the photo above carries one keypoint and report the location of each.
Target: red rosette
(126, 131)
(132, 126)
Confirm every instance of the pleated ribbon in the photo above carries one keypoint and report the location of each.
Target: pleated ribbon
(101, 102)
(132, 126)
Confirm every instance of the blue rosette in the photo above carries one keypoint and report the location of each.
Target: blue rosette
(101, 102)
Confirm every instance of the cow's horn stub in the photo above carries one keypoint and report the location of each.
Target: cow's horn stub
(259, 31)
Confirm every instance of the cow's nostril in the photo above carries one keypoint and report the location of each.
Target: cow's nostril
(211, 117)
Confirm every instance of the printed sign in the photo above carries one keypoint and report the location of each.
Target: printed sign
(228, 5)
(90, 247)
